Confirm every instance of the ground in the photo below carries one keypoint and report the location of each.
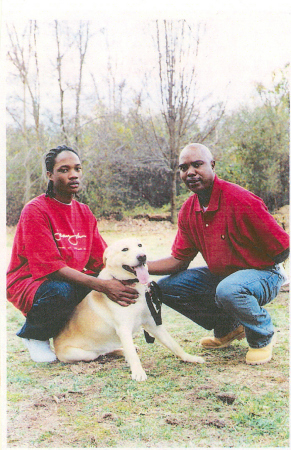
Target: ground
(223, 403)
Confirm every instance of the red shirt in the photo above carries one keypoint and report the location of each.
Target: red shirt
(235, 232)
(51, 235)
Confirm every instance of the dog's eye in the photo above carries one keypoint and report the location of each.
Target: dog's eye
(124, 250)
(139, 245)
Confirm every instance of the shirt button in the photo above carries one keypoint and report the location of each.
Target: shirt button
(207, 225)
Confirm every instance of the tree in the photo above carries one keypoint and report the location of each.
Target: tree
(60, 57)
(178, 46)
(69, 39)
(21, 52)
(24, 57)
(82, 42)
(254, 148)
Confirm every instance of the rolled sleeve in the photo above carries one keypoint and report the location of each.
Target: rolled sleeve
(258, 226)
(183, 247)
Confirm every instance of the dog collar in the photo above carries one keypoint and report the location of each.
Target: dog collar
(130, 281)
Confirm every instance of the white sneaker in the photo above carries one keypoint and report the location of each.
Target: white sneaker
(40, 351)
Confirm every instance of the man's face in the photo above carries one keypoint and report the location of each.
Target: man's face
(196, 169)
(66, 175)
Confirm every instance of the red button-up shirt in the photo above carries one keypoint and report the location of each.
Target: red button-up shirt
(235, 232)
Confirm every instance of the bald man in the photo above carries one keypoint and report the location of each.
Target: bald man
(242, 245)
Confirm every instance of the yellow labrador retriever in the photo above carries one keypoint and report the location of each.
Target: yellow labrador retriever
(100, 326)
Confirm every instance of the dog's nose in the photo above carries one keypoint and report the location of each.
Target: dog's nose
(141, 258)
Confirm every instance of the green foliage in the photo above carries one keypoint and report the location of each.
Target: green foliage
(126, 160)
(24, 172)
(253, 150)
(122, 167)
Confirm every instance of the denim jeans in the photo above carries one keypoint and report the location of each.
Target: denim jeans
(53, 304)
(223, 303)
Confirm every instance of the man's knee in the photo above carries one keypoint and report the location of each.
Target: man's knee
(54, 299)
(227, 293)
(62, 290)
(164, 283)
(56, 290)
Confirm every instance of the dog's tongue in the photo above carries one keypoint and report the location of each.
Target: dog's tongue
(142, 274)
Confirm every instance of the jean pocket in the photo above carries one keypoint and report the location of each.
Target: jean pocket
(275, 283)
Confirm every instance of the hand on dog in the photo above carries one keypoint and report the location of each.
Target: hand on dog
(119, 293)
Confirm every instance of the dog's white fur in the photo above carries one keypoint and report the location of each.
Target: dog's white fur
(100, 326)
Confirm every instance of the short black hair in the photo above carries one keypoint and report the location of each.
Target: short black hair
(50, 160)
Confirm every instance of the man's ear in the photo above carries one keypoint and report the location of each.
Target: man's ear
(213, 164)
(49, 175)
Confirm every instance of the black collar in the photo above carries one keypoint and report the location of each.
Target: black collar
(130, 281)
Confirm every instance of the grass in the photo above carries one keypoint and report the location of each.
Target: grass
(223, 403)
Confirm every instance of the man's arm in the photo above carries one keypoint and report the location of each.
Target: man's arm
(167, 266)
(114, 289)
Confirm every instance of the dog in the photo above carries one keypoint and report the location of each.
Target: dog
(100, 326)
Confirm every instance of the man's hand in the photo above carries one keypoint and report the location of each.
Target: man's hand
(118, 292)
(114, 289)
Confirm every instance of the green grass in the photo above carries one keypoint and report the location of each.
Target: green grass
(97, 404)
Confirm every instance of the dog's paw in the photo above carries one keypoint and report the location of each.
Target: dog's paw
(193, 359)
(139, 375)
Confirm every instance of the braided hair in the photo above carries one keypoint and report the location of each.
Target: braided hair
(50, 159)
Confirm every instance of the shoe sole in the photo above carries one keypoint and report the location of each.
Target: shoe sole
(239, 337)
(257, 363)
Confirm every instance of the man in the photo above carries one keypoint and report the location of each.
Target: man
(242, 245)
(56, 252)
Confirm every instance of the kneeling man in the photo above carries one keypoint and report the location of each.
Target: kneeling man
(243, 247)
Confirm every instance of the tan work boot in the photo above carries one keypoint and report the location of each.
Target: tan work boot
(260, 355)
(225, 341)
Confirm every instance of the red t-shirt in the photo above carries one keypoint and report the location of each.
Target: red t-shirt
(235, 232)
(51, 235)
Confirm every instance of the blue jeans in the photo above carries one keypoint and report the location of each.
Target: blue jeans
(223, 303)
(53, 305)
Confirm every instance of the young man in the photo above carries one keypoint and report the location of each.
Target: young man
(242, 245)
(56, 250)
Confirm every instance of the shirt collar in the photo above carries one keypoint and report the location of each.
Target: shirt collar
(62, 203)
(214, 199)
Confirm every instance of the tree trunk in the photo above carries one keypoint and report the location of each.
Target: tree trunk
(173, 197)
(61, 90)
(83, 44)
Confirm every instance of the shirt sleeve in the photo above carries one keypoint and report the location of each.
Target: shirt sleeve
(95, 262)
(183, 247)
(260, 228)
(40, 249)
